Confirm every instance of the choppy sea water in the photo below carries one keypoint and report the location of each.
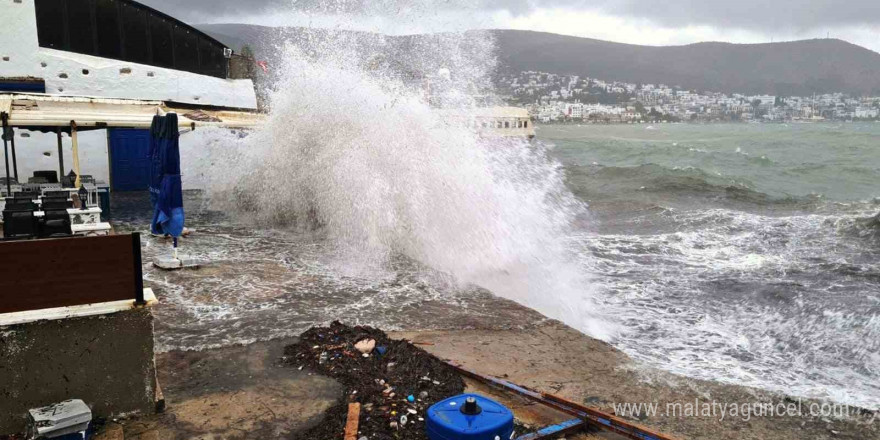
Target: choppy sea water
(737, 253)
(257, 284)
(734, 253)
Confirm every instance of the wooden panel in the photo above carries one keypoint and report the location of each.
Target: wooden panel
(42, 274)
(351, 423)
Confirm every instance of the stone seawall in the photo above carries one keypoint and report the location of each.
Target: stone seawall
(107, 361)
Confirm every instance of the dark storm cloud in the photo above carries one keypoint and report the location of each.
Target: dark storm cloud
(743, 14)
(199, 11)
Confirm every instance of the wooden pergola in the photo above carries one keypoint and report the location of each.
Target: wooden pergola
(71, 114)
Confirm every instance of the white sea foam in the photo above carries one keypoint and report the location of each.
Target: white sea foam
(713, 301)
(356, 152)
(353, 150)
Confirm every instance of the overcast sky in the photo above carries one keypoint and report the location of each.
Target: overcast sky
(651, 22)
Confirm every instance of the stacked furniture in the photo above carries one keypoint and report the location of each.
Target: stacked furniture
(25, 219)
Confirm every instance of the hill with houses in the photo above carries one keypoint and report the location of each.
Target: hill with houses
(799, 68)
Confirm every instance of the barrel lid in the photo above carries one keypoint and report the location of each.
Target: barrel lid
(447, 419)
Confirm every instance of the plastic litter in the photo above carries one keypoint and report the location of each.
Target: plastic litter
(71, 417)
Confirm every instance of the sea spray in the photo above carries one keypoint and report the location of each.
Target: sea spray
(368, 157)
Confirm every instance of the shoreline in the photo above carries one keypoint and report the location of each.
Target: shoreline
(709, 122)
(244, 391)
(480, 330)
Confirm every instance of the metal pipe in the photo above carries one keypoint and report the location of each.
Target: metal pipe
(60, 156)
(597, 418)
(5, 119)
(14, 158)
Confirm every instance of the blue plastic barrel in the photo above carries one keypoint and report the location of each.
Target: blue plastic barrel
(469, 417)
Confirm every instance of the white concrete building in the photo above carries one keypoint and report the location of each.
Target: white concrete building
(117, 49)
(114, 49)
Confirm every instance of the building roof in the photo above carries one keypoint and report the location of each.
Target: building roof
(175, 20)
(45, 112)
(490, 112)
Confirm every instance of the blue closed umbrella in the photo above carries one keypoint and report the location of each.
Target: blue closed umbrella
(155, 162)
(166, 190)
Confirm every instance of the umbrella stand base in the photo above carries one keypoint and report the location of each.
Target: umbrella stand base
(171, 263)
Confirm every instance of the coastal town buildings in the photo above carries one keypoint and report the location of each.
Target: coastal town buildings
(552, 97)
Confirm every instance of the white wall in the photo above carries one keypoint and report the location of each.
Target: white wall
(37, 151)
(19, 44)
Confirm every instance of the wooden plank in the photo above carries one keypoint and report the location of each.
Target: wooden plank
(351, 424)
(599, 419)
(72, 312)
(43, 274)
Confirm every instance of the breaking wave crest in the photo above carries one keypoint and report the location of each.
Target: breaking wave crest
(353, 149)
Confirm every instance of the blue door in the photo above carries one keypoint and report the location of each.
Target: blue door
(130, 159)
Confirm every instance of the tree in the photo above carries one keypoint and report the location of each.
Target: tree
(640, 108)
(250, 62)
(252, 73)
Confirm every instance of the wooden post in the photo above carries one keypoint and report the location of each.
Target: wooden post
(138, 270)
(76, 168)
(60, 156)
(351, 424)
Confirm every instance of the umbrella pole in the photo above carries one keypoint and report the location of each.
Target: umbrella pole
(175, 248)
(5, 119)
(73, 138)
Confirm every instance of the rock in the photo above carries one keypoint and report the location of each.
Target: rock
(366, 346)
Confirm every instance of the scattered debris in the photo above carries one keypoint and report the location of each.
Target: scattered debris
(68, 417)
(382, 383)
(201, 116)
